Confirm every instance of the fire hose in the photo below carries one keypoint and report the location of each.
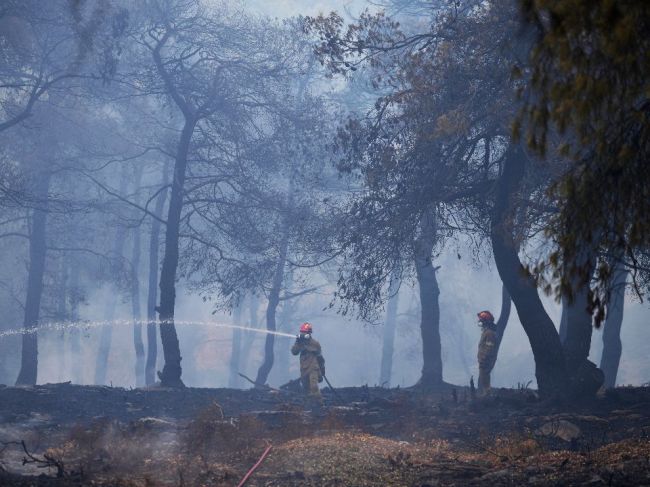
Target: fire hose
(254, 467)
(336, 394)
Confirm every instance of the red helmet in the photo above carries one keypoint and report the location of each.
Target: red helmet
(485, 316)
(305, 328)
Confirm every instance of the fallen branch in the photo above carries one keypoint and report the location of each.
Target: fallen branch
(256, 384)
(29, 458)
(254, 467)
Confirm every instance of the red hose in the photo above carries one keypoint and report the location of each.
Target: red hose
(254, 467)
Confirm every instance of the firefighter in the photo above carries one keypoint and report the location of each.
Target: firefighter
(312, 363)
(487, 350)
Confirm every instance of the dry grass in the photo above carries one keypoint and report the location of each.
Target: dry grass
(495, 444)
(349, 458)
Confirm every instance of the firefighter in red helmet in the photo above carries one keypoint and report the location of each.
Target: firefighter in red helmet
(312, 363)
(487, 350)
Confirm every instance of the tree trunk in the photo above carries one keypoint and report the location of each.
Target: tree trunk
(578, 331)
(271, 308)
(62, 316)
(550, 366)
(578, 317)
(37, 253)
(171, 373)
(235, 354)
(106, 336)
(283, 345)
(152, 293)
(429, 305)
(138, 344)
(249, 336)
(584, 375)
(76, 362)
(389, 334)
(612, 346)
(504, 316)
(564, 320)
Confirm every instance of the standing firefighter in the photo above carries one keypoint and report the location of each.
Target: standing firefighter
(312, 363)
(487, 350)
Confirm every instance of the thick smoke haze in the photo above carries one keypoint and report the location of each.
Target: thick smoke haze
(325, 243)
(352, 347)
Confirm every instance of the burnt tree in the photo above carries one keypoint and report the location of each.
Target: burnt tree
(550, 366)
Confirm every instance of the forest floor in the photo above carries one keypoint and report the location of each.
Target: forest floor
(66, 435)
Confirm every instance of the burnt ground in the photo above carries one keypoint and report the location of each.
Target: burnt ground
(65, 435)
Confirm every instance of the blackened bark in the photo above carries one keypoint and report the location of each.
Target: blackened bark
(578, 332)
(171, 373)
(585, 377)
(578, 317)
(504, 316)
(388, 343)
(235, 353)
(152, 292)
(612, 346)
(271, 308)
(550, 366)
(37, 254)
(429, 305)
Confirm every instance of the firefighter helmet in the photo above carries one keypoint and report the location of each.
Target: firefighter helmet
(306, 328)
(485, 316)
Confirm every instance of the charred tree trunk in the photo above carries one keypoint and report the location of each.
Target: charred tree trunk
(612, 346)
(271, 308)
(550, 366)
(235, 354)
(579, 319)
(578, 332)
(429, 305)
(388, 343)
(106, 336)
(504, 316)
(584, 375)
(37, 254)
(152, 292)
(171, 373)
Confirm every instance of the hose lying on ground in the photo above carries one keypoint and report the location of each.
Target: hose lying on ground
(254, 467)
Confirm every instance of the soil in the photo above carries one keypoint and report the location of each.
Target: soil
(67, 435)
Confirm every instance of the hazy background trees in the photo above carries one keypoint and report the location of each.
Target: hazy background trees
(172, 163)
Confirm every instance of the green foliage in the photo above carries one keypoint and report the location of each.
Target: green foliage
(589, 83)
(435, 139)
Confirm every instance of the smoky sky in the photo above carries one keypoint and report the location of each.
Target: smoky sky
(352, 349)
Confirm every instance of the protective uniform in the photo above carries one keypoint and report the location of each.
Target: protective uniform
(487, 352)
(312, 363)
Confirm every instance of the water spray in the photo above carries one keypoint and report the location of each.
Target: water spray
(85, 325)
